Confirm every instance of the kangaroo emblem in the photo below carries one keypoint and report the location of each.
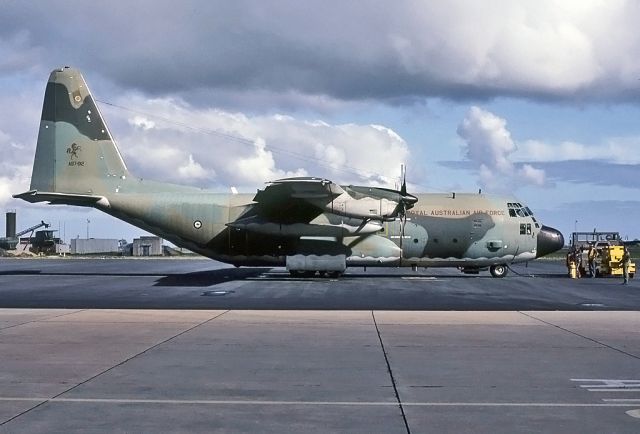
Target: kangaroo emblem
(73, 151)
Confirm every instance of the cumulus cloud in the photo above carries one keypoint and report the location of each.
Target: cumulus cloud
(193, 170)
(167, 138)
(257, 52)
(16, 151)
(489, 147)
(15, 179)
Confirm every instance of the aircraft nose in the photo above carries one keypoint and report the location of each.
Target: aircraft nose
(549, 240)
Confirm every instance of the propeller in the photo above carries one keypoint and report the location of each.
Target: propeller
(407, 201)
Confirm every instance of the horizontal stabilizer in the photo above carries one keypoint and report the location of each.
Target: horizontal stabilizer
(34, 196)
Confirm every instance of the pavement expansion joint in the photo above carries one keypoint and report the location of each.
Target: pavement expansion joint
(611, 347)
(393, 381)
(44, 319)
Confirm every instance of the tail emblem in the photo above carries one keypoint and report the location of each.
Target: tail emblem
(73, 154)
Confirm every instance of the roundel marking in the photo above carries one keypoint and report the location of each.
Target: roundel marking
(197, 224)
(77, 98)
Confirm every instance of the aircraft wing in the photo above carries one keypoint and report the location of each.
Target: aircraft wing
(288, 207)
(293, 200)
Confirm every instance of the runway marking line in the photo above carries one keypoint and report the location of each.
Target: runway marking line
(634, 413)
(319, 403)
(614, 390)
(621, 399)
(608, 385)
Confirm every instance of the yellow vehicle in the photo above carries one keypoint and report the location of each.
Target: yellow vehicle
(611, 262)
(610, 248)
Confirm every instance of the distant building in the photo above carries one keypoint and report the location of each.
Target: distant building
(62, 249)
(147, 246)
(92, 246)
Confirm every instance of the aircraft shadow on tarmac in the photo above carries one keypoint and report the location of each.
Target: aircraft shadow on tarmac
(214, 277)
(74, 273)
(210, 277)
(198, 278)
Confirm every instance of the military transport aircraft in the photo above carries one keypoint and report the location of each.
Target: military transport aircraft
(310, 225)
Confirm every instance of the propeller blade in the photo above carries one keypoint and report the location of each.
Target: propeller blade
(403, 173)
(403, 219)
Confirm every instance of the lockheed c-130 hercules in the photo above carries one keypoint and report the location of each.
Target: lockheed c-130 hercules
(309, 225)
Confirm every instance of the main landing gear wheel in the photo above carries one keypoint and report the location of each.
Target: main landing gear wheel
(499, 270)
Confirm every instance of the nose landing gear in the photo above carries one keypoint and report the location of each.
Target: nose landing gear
(499, 270)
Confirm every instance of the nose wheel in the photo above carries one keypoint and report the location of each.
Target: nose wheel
(499, 270)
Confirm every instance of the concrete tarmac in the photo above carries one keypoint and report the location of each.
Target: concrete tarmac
(468, 356)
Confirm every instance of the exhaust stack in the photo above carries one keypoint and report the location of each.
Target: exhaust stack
(11, 224)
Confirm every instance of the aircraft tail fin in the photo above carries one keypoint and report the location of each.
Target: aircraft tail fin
(75, 153)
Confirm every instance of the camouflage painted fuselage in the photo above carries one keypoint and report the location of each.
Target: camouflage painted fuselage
(468, 230)
(77, 163)
(441, 230)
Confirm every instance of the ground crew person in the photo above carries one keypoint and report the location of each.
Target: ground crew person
(577, 258)
(626, 264)
(571, 265)
(592, 260)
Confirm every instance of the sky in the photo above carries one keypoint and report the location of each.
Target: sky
(540, 99)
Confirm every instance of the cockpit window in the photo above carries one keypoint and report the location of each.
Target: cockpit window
(517, 210)
(525, 228)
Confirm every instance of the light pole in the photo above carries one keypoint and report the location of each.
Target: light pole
(575, 226)
(88, 221)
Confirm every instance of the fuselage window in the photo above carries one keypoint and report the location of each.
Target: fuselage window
(523, 229)
(512, 212)
(528, 228)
